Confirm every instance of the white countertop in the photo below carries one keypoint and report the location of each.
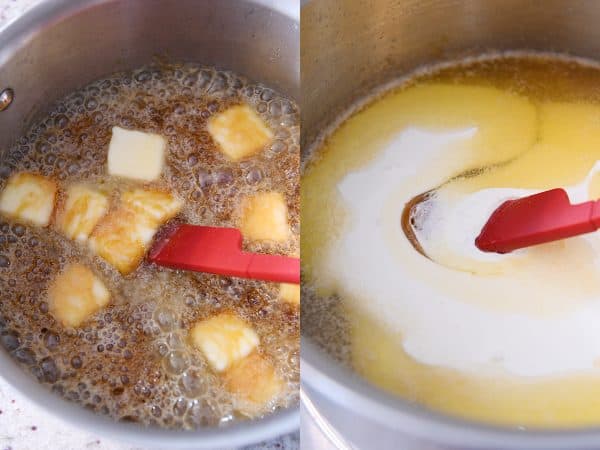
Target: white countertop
(24, 425)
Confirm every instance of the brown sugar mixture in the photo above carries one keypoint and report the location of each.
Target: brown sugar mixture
(132, 357)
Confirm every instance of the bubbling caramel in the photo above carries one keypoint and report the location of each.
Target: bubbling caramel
(132, 360)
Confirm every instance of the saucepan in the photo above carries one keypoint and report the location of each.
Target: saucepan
(61, 45)
(348, 49)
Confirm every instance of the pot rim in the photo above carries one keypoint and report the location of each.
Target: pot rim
(348, 390)
(16, 35)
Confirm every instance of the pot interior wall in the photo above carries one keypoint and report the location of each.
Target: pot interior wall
(44, 59)
(348, 51)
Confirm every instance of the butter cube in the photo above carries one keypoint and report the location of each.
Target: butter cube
(136, 155)
(82, 210)
(29, 197)
(265, 217)
(290, 293)
(239, 132)
(121, 238)
(159, 206)
(254, 384)
(123, 235)
(223, 339)
(75, 295)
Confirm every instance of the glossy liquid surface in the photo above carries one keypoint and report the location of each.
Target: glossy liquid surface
(499, 339)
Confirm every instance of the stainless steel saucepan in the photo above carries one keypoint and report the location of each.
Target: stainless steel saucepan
(62, 45)
(350, 47)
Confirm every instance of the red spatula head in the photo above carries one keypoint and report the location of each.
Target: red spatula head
(218, 250)
(537, 219)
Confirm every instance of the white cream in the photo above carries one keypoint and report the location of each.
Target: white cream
(373, 263)
(449, 231)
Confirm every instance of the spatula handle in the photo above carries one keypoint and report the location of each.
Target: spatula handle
(536, 219)
(219, 250)
(595, 214)
(274, 268)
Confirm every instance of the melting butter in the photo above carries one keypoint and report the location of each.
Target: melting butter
(502, 338)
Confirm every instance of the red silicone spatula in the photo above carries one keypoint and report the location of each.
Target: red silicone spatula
(219, 250)
(537, 219)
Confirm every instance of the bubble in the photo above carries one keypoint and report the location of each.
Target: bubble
(61, 121)
(288, 108)
(174, 340)
(49, 370)
(51, 340)
(199, 413)
(213, 107)
(190, 79)
(25, 356)
(10, 341)
(73, 168)
(267, 95)
(278, 146)
(156, 411)
(219, 84)
(176, 362)
(4, 262)
(190, 300)
(97, 117)
(180, 406)
(143, 76)
(166, 319)
(91, 104)
(204, 179)
(223, 177)
(254, 176)
(142, 390)
(204, 78)
(192, 383)
(76, 362)
(192, 160)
